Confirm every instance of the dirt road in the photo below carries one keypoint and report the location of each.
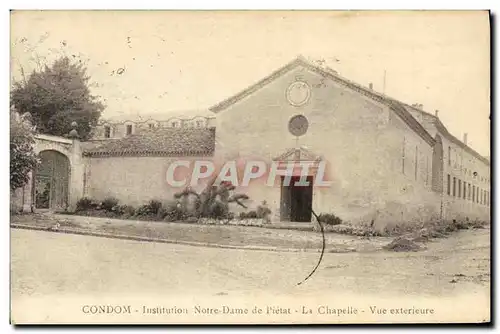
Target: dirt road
(47, 264)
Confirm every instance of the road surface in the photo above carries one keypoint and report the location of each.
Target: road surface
(48, 265)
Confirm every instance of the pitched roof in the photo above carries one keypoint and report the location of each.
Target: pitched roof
(396, 106)
(298, 154)
(444, 131)
(160, 142)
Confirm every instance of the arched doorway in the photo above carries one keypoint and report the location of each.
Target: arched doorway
(50, 190)
(437, 166)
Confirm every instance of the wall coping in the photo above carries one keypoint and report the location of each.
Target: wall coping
(54, 139)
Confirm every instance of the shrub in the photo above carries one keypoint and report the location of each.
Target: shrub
(329, 219)
(150, 209)
(174, 215)
(143, 210)
(127, 210)
(263, 211)
(249, 215)
(109, 203)
(218, 210)
(154, 206)
(213, 201)
(174, 211)
(84, 204)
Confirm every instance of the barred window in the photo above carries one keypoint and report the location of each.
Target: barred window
(454, 186)
(448, 184)
(107, 131)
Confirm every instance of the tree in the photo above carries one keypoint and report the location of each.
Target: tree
(56, 96)
(22, 155)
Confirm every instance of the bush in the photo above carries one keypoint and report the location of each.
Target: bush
(173, 211)
(84, 204)
(249, 215)
(109, 203)
(154, 206)
(329, 219)
(263, 211)
(127, 210)
(219, 210)
(143, 210)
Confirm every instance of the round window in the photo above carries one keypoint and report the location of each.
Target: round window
(298, 125)
(298, 93)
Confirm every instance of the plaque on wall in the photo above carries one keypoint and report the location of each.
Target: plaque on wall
(298, 93)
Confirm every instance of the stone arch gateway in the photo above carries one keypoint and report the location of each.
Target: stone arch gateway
(57, 183)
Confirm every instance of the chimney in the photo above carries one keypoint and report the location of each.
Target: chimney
(465, 138)
(370, 85)
(436, 113)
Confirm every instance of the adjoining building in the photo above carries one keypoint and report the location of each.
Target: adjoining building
(384, 158)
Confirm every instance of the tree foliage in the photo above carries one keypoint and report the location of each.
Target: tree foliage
(22, 155)
(56, 96)
(214, 200)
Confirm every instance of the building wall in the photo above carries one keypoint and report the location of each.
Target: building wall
(119, 129)
(131, 180)
(459, 166)
(360, 140)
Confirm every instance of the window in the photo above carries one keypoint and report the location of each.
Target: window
(416, 162)
(174, 124)
(107, 131)
(468, 192)
(473, 193)
(459, 188)
(449, 156)
(129, 129)
(151, 125)
(199, 124)
(465, 189)
(454, 186)
(426, 170)
(449, 184)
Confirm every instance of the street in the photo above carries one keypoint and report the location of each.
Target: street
(45, 264)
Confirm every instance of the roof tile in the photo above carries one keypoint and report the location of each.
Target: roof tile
(160, 142)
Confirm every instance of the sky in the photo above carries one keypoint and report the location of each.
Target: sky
(144, 62)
